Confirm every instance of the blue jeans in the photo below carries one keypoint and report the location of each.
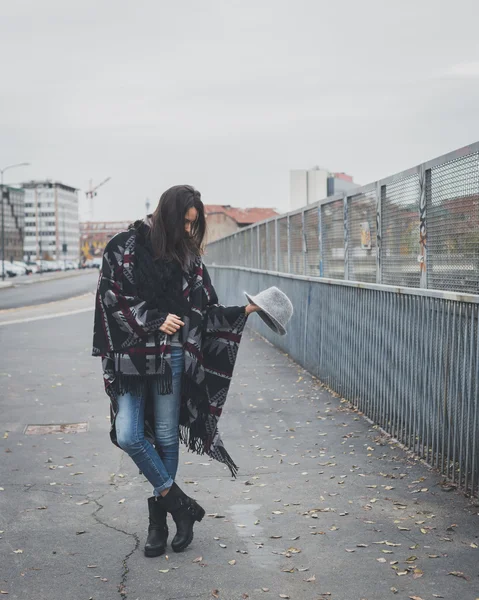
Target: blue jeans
(158, 466)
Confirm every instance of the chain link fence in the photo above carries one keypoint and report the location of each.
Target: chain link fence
(417, 229)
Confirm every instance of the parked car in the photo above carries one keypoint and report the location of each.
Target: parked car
(13, 270)
(23, 265)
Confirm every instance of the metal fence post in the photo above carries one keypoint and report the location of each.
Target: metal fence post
(346, 237)
(320, 239)
(305, 246)
(289, 243)
(380, 194)
(424, 185)
(276, 242)
(258, 248)
(251, 241)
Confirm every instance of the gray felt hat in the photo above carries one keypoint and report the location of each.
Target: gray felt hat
(276, 308)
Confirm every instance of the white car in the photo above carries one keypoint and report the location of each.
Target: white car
(23, 265)
(12, 270)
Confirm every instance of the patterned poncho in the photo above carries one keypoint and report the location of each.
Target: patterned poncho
(128, 339)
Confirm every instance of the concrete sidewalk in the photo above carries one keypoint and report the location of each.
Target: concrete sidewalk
(324, 505)
(43, 277)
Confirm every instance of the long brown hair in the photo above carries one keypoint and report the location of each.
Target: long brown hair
(168, 236)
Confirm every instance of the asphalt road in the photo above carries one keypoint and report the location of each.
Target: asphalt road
(49, 287)
(324, 506)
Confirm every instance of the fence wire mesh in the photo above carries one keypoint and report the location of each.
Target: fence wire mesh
(428, 232)
(283, 245)
(332, 219)
(263, 260)
(296, 243)
(400, 233)
(452, 214)
(311, 236)
(271, 245)
(362, 237)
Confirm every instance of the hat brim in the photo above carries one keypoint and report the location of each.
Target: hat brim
(267, 317)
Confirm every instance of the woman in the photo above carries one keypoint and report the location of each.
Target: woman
(168, 351)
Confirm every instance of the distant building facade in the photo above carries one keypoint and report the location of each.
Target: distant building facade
(14, 223)
(95, 235)
(308, 186)
(52, 229)
(222, 220)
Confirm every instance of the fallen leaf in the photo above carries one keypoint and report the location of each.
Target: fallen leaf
(459, 574)
(18, 551)
(232, 562)
(417, 573)
(311, 579)
(121, 501)
(163, 570)
(415, 598)
(285, 596)
(215, 593)
(265, 589)
(199, 559)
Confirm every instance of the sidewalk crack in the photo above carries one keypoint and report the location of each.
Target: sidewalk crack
(122, 589)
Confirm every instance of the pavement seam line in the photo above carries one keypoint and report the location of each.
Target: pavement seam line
(124, 576)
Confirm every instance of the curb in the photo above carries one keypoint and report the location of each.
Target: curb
(45, 278)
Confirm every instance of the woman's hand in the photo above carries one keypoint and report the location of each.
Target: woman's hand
(251, 308)
(171, 324)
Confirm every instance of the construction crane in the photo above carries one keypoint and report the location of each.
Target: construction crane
(92, 192)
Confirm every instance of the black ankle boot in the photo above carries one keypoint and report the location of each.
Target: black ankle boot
(157, 529)
(185, 511)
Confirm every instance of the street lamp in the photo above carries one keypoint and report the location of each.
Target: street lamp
(2, 171)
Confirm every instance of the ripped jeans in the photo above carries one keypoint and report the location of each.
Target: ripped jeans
(159, 467)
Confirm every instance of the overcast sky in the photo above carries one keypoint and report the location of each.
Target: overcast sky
(229, 95)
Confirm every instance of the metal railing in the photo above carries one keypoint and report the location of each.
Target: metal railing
(407, 358)
(385, 284)
(419, 228)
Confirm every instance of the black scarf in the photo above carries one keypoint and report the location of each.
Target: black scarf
(159, 282)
